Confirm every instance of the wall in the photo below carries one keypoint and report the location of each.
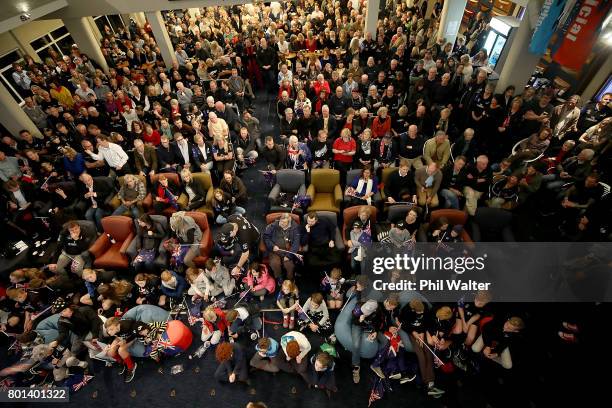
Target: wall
(21, 36)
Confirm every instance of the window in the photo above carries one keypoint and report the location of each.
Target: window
(58, 40)
(6, 71)
(113, 21)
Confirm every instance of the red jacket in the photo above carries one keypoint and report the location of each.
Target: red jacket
(379, 129)
(221, 323)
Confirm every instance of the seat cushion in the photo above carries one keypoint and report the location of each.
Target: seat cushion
(112, 258)
(324, 202)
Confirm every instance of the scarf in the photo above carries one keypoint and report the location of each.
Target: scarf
(367, 191)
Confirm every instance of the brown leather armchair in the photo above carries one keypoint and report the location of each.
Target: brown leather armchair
(455, 217)
(147, 203)
(110, 249)
(350, 214)
(206, 181)
(115, 201)
(325, 190)
(207, 242)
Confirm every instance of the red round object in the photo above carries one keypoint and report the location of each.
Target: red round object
(179, 335)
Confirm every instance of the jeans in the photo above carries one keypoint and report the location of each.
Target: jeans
(356, 334)
(95, 215)
(222, 220)
(123, 208)
(450, 199)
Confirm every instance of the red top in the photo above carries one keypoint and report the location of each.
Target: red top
(154, 138)
(380, 129)
(340, 144)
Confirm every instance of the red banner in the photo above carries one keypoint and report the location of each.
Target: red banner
(582, 34)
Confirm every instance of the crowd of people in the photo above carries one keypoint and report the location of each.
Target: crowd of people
(158, 144)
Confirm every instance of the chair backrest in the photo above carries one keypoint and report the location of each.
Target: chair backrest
(328, 215)
(351, 213)
(454, 216)
(325, 180)
(200, 219)
(399, 211)
(270, 218)
(290, 180)
(386, 173)
(351, 175)
(172, 178)
(118, 227)
(204, 179)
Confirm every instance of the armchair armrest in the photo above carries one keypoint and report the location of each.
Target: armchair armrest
(115, 202)
(209, 197)
(338, 241)
(274, 194)
(131, 249)
(126, 243)
(302, 190)
(147, 203)
(101, 245)
(338, 195)
(311, 191)
(182, 201)
(206, 243)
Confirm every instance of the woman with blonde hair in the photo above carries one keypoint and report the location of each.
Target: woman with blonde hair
(188, 234)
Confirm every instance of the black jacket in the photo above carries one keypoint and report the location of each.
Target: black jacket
(84, 320)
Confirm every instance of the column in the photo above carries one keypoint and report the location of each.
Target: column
(158, 27)
(139, 18)
(12, 117)
(94, 28)
(372, 17)
(520, 63)
(83, 35)
(450, 19)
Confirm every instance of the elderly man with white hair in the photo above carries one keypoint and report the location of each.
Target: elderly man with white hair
(479, 178)
(298, 154)
(217, 127)
(183, 95)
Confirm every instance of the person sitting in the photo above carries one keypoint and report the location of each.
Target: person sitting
(172, 287)
(218, 280)
(73, 243)
(165, 194)
(428, 179)
(437, 149)
(232, 363)
(287, 301)
(366, 318)
(282, 241)
(147, 289)
(362, 188)
(322, 374)
(259, 281)
(295, 347)
(314, 316)
(214, 326)
(478, 178)
(131, 195)
(235, 188)
(400, 186)
(246, 149)
(196, 195)
(504, 193)
(497, 339)
(148, 239)
(298, 154)
(266, 351)
(453, 182)
(223, 206)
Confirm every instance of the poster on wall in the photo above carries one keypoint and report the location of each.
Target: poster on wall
(548, 20)
(582, 34)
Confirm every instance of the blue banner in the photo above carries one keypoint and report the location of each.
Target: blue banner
(546, 25)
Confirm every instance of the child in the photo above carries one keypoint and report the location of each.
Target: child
(244, 319)
(214, 325)
(315, 316)
(92, 279)
(115, 298)
(322, 373)
(232, 363)
(287, 300)
(172, 287)
(438, 230)
(147, 289)
(333, 287)
(126, 332)
(471, 316)
(259, 280)
(197, 280)
(356, 246)
(218, 280)
(266, 351)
